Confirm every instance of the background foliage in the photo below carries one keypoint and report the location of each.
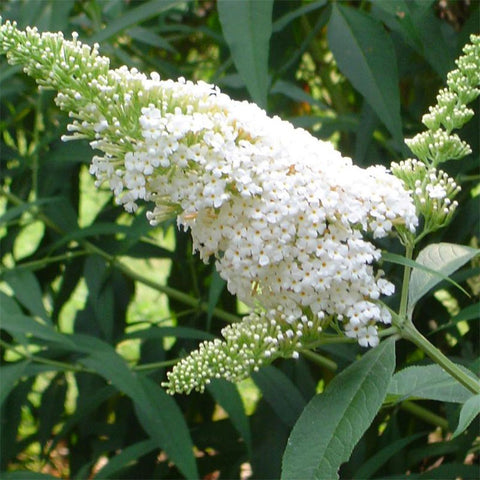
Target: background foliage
(95, 304)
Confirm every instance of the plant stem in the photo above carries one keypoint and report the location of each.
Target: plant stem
(409, 332)
(320, 360)
(402, 311)
(424, 414)
(155, 365)
(45, 361)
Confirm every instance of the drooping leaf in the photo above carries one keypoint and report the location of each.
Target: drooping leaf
(444, 258)
(280, 393)
(470, 410)
(366, 56)
(247, 27)
(333, 422)
(428, 382)
(227, 396)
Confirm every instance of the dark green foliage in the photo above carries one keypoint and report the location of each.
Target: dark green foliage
(95, 304)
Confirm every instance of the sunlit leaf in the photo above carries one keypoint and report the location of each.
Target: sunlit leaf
(428, 382)
(444, 258)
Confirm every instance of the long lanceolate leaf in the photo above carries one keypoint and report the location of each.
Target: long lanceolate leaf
(365, 55)
(334, 421)
(247, 27)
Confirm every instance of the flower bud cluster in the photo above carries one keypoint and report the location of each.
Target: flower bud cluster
(438, 144)
(259, 338)
(433, 191)
(282, 212)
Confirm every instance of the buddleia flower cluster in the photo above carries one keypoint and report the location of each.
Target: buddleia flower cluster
(283, 213)
(433, 190)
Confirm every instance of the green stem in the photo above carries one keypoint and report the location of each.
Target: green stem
(38, 264)
(320, 360)
(155, 365)
(409, 332)
(45, 361)
(402, 311)
(424, 414)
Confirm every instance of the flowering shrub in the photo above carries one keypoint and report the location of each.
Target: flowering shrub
(294, 226)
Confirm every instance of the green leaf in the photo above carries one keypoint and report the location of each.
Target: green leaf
(280, 393)
(126, 456)
(449, 470)
(247, 27)
(51, 407)
(162, 419)
(472, 312)
(380, 458)
(100, 228)
(406, 262)
(8, 305)
(227, 396)
(396, 14)
(9, 374)
(294, 92)
(100, 291)
(429, 382)
(366, 56)
(283, 21)
(470, 410)
(150, 38)
(334, 421)
(27, 290)
(91, 403)
(133, 16)
(157, 412)
(444, 258)
(22, 324)
(17, 211)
